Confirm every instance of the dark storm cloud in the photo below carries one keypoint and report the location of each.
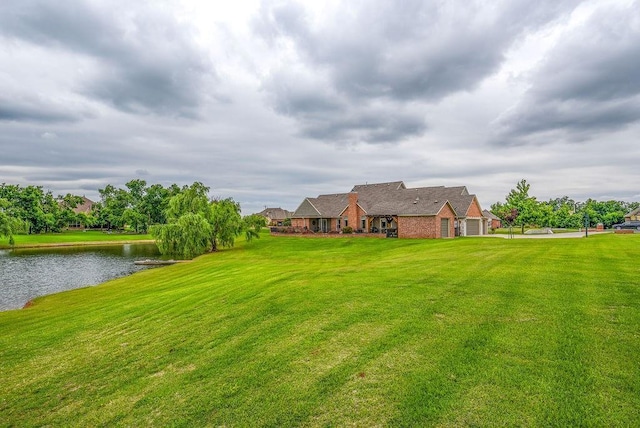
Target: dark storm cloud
(324, 115)
(372, 127)
(147, 61)
(398, 52)
(26, 146)
(33, 111)
(589, 84)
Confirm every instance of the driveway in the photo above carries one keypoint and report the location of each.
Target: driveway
(550, 235)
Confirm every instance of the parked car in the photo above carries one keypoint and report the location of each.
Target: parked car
(627, 225)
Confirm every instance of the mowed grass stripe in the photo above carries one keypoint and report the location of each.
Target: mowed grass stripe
(462, 357)
(311, 332)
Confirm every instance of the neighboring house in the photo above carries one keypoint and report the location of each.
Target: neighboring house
(633, 215)
(84, 207)
(392, 208)
(493, 221)
(275, 216)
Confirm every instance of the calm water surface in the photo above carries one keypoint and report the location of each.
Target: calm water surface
(29, 273)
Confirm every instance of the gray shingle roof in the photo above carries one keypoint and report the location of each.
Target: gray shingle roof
(275, 213)
(634, 212)
(323, 206)
(331, 205)
(392, 198)
(490, 215)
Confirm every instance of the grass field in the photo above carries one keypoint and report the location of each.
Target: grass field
(291, 331)
(71, 237)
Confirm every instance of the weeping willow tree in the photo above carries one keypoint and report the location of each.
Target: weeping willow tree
(226, 223)
(187, 231)
(196, 225)
(8, 225)
(252, 224)
(187, 237)
(6, 230)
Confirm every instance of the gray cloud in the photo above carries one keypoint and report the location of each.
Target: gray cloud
(589, 84)
(404, 90)
(36, 109)
(413, 51)
(370, 126)
(148, 61)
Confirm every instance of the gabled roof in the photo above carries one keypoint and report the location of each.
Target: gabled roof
(378, 194)
(275, 213)
(458, 196)
(323, 206)
(460, 199)
(392, 185)
(331, 205)
(490, 215)
(85, 206)
(634, 212)
(392, 198)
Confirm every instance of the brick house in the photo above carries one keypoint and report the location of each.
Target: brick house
(275, 216)
(393, 209)
(84, 207)
(493, 221)
(633, 215)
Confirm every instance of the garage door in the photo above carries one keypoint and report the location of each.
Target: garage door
(473, 227)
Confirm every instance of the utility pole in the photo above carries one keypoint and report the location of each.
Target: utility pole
(586, 224)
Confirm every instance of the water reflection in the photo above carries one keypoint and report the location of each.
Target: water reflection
(31, 272)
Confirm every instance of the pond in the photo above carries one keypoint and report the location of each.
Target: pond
(29, 273)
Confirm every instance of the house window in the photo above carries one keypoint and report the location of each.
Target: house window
(338, 221)
(383, 224)
(346, 223)
(364, 224)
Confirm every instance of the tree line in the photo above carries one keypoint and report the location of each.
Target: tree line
(521, 209)
(183, 220)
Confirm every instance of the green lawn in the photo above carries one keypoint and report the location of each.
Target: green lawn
(293, 331)
(76, 237)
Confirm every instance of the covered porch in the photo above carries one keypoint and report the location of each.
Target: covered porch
(384, 224)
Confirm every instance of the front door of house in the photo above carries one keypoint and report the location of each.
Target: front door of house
(444, 228)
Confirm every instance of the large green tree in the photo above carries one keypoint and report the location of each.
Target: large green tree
(196, 225)
(29, 206)
(186, 237)
(561, 212)
(137, 206)
(6, 223)
(226, 223)
(187, 232)
(525, 208)
(114, 203)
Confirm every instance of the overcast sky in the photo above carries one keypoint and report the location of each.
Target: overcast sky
(272, 101)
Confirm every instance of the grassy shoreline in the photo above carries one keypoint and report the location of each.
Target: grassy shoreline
(74, 238)
(297, 332)
(78, 244)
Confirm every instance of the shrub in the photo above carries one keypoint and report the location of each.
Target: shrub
(347, 229)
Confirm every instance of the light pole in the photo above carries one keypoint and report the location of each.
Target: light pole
(586, 224)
